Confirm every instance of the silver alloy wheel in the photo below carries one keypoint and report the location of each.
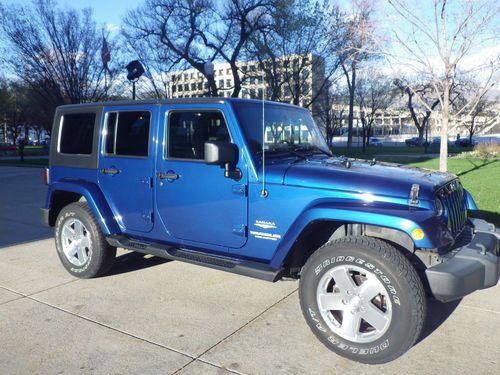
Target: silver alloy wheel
(76, 242)
(354, 303)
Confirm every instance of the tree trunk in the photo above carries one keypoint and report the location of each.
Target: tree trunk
(443, 152)
(471, 130)
(420, 135)
(352, 93)
(363, 122)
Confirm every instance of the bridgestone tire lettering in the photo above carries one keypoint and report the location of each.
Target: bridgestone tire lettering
(395, 274)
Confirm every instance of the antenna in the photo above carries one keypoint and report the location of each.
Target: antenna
(263, 193)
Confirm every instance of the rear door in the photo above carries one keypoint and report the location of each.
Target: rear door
(126, 165)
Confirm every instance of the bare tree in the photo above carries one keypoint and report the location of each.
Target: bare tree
(293, 52)
(200, 31)
(358, 46)
(374, 95)
(56, 52)
(330, 110)
(442, 39)
(483, 113)
(159, 64)
(22, 110)
(420, 114)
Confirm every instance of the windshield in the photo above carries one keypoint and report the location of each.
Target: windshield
(287, 129)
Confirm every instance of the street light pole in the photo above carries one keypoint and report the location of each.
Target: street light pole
(208, 67)
(135, 71)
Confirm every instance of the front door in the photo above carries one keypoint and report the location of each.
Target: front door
(126, 166)
(195, 202)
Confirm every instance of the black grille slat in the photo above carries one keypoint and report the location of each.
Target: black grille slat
(452, 196)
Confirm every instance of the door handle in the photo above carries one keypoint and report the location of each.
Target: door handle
(168, 176)
(111, 171)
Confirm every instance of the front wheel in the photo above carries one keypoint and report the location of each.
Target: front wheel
(80, 243)
(363, 299)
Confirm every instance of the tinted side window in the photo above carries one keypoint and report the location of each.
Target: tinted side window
(188, 131)
(127, 133)
(77, 131)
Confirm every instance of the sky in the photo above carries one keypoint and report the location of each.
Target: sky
(106, 12)
(109, 14)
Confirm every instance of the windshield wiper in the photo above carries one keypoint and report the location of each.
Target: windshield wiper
(284, 150)
(313, 148)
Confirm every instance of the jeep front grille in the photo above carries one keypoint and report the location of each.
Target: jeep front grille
(455, 209)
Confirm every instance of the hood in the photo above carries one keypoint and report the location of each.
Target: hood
(385, 179)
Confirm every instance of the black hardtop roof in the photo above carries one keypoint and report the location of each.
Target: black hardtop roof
(203, 100)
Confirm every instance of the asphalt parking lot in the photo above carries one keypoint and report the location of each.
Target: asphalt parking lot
(151, 316)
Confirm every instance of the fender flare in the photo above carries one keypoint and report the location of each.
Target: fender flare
(95, 199)
(400, 218)
(471, 204)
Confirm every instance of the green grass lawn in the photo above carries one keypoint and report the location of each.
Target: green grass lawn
(357, 152)
(480, 177)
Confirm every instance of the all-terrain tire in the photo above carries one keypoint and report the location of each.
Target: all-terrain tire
(80, 243)
(363, 299)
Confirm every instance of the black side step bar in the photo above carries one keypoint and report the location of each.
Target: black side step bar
(242, 267)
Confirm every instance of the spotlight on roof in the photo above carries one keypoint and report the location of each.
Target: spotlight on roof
(135, 70)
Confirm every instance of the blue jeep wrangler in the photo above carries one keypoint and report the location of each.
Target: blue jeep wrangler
(250, 187)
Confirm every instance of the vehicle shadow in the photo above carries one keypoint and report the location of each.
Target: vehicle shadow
(475, 166)
(13, 234)
(490, 216)
(437, 314)
(134, 261)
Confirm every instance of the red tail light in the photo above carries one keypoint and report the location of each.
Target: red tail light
(46, 176)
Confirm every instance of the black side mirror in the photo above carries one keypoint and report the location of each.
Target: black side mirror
(224, 154)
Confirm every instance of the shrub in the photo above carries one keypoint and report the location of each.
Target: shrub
(487, 150)
(482, 151)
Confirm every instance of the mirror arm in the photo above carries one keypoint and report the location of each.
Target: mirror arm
(230, 171)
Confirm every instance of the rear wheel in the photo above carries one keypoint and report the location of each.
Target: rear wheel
(80, 243)
(363, 299)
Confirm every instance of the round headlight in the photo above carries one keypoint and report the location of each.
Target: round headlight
(438, 205)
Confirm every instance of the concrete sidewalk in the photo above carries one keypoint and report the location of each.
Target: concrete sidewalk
(150, 316)
(156, 317)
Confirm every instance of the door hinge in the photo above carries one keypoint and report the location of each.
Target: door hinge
(148, 181)
(240, 230)
(240, 189)
(148, 216)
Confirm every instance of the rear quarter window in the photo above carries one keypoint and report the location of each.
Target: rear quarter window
(77, 133)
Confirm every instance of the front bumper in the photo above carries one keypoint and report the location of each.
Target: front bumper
(471, 267)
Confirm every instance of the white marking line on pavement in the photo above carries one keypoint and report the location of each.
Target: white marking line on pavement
(38, 291)
(194, 358)
(480, 309)
(232, 334)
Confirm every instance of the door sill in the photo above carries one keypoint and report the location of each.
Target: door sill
(253, 269)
